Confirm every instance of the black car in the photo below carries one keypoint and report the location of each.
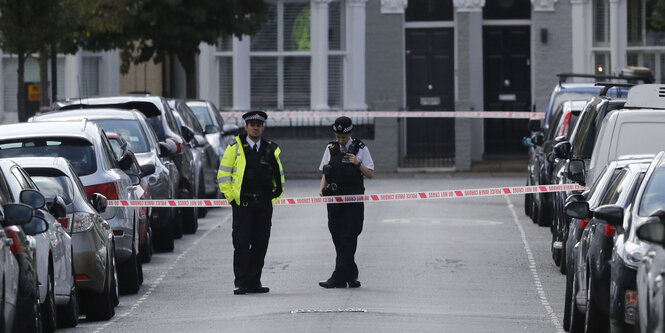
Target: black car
(580, 146)
(593, 251)
(163, 122)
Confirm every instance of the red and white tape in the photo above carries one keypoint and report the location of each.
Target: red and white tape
(407, 196)
(396, 114)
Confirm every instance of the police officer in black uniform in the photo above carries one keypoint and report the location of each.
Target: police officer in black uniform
(346, 161)
(251, 177)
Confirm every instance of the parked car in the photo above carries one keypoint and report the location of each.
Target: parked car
(92, 236)
(220, 135)
(163, 122)
(20, 295)
(650, 274)
(133, 126)
(54, 252)
(628, 249)
(593, 251)
(88, 150)
(580, 146)
(542, 161)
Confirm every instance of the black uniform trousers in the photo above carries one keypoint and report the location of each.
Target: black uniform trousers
(251, 233)
(345, 222)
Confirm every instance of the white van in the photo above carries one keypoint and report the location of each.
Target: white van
(638, 128)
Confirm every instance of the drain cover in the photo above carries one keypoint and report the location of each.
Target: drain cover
(326, 310)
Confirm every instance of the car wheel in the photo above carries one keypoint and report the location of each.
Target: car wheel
(145, 250)
(102, 306)
(49, 320)
(202, 211)
(567, 301)
(190, 220)
(68, 315)
(128, 275)
(576, 319)
(594, 320)
(556, 253)
(544, 217)
(163, 239)
(527, 201)
(534, 211)
(178, 223)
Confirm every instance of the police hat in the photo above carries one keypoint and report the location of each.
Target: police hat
(255, 115)
(342, 125)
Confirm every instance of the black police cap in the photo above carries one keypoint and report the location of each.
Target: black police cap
(255, 115)
(342, 125)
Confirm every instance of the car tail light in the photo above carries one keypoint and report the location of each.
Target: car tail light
(64, 222)
(82, 221)
(16, 244)
(118, 232)
(81, 277)
(109, 190)
(584, 222)
(610, 230)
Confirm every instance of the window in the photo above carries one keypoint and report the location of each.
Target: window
(653, 197)
(601, 23)
(429, 10)
(507, 10)
(89, 76)
(225, 65)
(645, 37)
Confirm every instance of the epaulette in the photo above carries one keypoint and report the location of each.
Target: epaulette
(360, 144)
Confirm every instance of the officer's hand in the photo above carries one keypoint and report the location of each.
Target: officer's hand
(352, 158)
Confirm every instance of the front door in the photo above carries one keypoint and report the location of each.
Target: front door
(430, 87)
(507, 76)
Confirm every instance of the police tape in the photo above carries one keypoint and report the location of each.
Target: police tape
(395, 114)
(410, 196)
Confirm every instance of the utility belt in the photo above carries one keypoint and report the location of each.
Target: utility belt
(246, 198)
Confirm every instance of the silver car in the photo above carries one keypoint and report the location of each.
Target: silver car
(133, 126)
(92, 236)
(88, 150)
(55, 264)
(218, 134)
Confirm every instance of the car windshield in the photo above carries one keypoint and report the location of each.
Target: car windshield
(653, 198)
(202, 114)
(130, 130)
(79, 152)
(55, 185)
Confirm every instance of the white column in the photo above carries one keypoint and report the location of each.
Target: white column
(618, 35)
(354, 62)
(109, 73)
(241, 73)
(581, 36)
(73, 63)
(319, 64)
(2, 88)
(208, 73)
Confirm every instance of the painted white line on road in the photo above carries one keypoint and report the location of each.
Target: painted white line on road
(534, 271)
(161, 277)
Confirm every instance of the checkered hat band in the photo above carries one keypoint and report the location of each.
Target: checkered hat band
(255, 117)
(339, 128)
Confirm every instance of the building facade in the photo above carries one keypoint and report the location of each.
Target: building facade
(391, 55)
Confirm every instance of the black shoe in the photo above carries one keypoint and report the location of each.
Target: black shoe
(258, 290)
(354, 284)
(240, 291)
(332, 283)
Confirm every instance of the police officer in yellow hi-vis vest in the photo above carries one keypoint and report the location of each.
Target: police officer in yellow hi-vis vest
(251, 176)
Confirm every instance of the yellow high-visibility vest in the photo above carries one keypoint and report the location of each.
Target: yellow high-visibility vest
(232, 169)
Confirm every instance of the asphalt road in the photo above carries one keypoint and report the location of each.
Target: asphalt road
(455, 265)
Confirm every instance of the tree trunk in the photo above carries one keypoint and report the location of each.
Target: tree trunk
(43, 77)
(22, 116)
(188, 61)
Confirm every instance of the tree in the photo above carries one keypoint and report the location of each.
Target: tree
(155, 29)
(24, 26)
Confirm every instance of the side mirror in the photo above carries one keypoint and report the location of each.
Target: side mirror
(17, 213)
(538, 138)
(125, 162)
(147, 169)
(534, 125)
(199, 141)
(58, 207)
(187, 133)
(99, 202)
(32, 198)
(134, 179)
(575, 197)
(652, 231)
(575, 170)
(167, 148)
(211, 129)
(611, 214)
(562, 150)
(37, 225)
(230, 129)
(577, 209)
(560, 138)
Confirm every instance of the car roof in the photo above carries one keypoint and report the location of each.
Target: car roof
(55, 162)
(148, 104)
(647, 96)
(79, 129)
(101, 113)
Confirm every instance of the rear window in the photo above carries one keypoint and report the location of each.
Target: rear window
(156, 124)
(79, 152)
(54, 185)
(653, 198)
(640, 138)
(130, 130)
(202, 114)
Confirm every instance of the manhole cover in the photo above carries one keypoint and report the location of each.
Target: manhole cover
(326, 310)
